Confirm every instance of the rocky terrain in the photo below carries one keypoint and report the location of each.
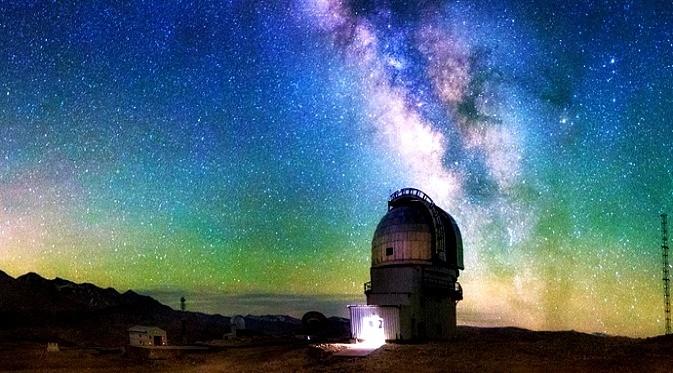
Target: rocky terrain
(472, 350)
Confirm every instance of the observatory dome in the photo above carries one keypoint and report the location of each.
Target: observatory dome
(416, 230)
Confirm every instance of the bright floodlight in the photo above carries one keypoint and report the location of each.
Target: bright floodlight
(372, 331)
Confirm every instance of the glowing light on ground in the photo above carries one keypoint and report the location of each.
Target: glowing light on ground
(372, 332)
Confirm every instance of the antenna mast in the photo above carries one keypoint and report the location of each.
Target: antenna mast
(665, 272)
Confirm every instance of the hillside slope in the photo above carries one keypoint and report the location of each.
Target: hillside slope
(33, 308)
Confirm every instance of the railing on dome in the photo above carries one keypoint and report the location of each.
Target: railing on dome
(440, 248)
(410, 192)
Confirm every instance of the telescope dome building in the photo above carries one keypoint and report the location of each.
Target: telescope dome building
(417, 255)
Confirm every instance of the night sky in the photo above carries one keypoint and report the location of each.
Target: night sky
(248, 148)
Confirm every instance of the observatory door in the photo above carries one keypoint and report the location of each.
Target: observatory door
(372, 329)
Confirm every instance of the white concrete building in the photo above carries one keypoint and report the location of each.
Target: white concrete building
(140, 335)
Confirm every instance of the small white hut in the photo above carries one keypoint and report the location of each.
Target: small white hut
(140, 335)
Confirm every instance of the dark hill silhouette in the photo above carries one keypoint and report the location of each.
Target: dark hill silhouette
(31, 293)
(35, 308)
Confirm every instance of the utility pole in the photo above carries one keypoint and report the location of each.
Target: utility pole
(183, 323)
(665, 272)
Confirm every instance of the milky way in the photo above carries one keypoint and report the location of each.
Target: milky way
(247, 149)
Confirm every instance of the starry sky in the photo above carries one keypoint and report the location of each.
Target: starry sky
(245, 149)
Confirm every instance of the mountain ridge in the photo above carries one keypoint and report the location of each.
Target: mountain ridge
(40, 309)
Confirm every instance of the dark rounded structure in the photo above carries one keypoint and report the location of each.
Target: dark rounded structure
(315, 323)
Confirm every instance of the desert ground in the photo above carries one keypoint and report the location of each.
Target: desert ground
(472, 349)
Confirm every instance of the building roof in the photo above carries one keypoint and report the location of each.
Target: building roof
(145, 329)
(411, 211)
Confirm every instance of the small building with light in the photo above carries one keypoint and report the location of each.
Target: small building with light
(147, 336)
